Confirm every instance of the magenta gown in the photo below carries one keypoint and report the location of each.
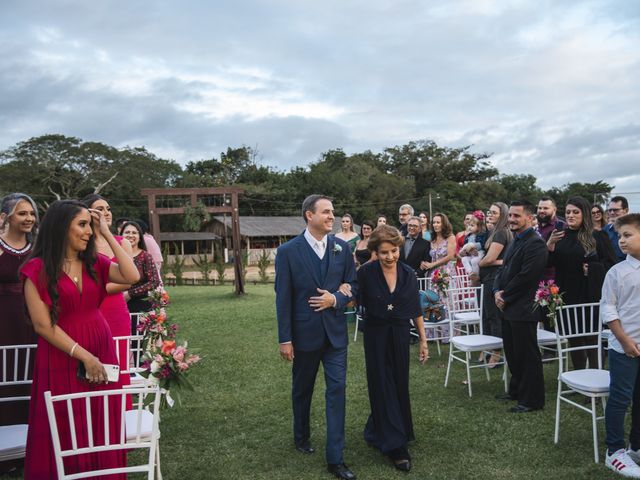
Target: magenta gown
(115, 311)
(80, 317)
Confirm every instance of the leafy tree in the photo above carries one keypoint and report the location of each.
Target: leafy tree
(204, 267)
(597, 192)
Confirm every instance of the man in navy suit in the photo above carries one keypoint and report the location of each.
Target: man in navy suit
(315, 279)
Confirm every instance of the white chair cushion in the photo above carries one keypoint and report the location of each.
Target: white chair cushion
(466, 317)
(546, 338)
(588, 380)
(473, 343)
(13, 441)
(131, 424)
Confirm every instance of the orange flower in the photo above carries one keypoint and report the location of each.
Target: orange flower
(161, 318)
(168, 346)
(554, 290)
(165, 296)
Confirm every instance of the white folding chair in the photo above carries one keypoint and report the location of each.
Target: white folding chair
(465, 311)
(16, 361)
(547, 342)
(133, 347)
(581, 321)
(139, 429)
(135, 318)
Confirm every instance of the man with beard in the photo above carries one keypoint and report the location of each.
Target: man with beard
(514, 290)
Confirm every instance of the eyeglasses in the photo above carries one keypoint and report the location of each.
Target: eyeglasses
(613, 210)
(413, 225)
(595, 212)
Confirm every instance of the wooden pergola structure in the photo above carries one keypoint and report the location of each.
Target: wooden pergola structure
(154, 215)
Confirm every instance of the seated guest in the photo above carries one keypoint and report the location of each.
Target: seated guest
(362, 254)
(416, 249)
(388, 291)
(137, 295)
(348, 234)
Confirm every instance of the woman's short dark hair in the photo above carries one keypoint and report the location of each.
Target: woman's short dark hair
(382, 234)
(369, 224)
(141, 243)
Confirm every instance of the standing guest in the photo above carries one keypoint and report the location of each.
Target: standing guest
(581, 257)
(472, 251)
(153, 248)
(618, 206)
(311, 269)
(18, 226)
(348, 233)
(443, 245)
(620, 310)
(388, 291)
(136, 295)
(415, 250)
(64, 285)
(362, 254)
(461, 238)
(598, 217)
(404, 213)
(495, 247)
(514, 289)
(424, 226)
(113, 306)
(119, 223)
(381, 220)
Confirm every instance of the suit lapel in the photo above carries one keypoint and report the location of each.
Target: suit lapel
(303, 250)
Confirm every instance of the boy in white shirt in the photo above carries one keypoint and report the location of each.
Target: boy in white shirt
(620, 309)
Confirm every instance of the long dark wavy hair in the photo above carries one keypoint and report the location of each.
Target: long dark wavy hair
(51, 247)
(585, 232)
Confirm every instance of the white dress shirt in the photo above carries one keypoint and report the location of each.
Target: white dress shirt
(621, 299)
(318, 246)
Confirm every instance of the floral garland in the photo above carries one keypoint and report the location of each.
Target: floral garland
(164, 361)
(548, 295)
(440, 280)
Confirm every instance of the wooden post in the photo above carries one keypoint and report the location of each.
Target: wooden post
(237, 258)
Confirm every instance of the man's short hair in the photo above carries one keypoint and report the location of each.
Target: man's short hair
(548, 199)
(309, 204)
(623, 201)
(414, 218)
(406, 206)
(526, 205)
(632, 219)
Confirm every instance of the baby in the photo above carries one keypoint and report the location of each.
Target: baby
(473, 249)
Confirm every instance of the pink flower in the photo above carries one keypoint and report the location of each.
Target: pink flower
(183, 366)
(191, 359)
(178, 354)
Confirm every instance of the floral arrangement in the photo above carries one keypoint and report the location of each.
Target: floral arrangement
(440, 280)
(165, 362)
(548, 295)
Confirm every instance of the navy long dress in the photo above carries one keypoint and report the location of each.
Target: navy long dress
(386, 349)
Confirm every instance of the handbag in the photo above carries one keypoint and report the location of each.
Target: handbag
(432, 308)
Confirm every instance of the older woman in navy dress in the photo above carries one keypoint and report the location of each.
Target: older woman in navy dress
(389, 295)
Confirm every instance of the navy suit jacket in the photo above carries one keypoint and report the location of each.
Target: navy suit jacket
(297, 279)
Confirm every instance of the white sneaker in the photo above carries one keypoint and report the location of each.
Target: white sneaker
(622, 463)
(634, 455)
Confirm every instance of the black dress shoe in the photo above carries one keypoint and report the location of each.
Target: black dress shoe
(403, 465)
(523, 409)
(305, 447)
(340, 470)
(505, 396)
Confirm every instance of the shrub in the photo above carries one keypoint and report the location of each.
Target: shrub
(263, 264)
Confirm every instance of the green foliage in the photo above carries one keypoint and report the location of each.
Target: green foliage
(204, 267)
(263, 263)
(220, 267)
(177, 266)
(195, 217)
(597, 192)
(165, 261)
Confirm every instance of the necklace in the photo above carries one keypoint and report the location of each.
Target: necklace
(16, 251)
(71, 260)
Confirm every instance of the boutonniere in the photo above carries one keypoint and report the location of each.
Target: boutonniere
(336, 249)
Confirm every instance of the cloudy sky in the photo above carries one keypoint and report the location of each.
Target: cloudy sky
(550, 87)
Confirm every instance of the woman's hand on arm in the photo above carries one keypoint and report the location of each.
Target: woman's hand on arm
(58, 338)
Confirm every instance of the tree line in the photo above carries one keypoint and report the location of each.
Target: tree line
(364, 184)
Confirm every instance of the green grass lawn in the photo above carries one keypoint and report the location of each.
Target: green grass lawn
(237, 424)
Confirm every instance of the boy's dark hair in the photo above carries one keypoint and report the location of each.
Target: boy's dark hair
(622, 200)
(526, 205)
(632, 219)
(309, 204)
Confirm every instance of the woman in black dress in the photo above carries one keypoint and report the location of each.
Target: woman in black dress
(362, 254)
(581, 256)
(389, 294)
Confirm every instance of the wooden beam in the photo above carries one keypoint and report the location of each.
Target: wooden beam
(176, 192)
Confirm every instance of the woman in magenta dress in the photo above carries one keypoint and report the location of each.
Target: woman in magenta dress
(18, 226)
(64, 284)
(113, 306)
